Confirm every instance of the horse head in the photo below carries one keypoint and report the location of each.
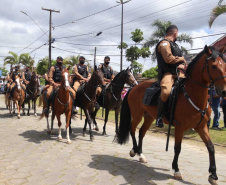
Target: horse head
(210, 69)
(97, 77)
(17, 80)
(66, 78)
(130, 79)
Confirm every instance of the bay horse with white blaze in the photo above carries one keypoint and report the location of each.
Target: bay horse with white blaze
(111, 99)
(18, 96)
(191, 111)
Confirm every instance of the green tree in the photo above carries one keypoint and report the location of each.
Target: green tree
(217, 11)
(4, 71)
(43, 64)
(159, 34)
(72, 60)
(151, 73)
(12, 60)
(124, 46)
(134, 53)
(26, 60)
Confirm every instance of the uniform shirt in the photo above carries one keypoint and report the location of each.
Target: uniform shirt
(165, 50)
(51, 73)
(77, 75)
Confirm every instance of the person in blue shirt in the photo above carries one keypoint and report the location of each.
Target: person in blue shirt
(216, 108)
(223, 103)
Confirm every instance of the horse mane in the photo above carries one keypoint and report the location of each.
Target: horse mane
(215, 54)
(117, 76)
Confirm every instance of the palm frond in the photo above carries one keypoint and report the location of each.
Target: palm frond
(217, 11)
(185, 38)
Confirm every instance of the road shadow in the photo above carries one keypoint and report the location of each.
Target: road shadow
(133, 172)
(37, 137)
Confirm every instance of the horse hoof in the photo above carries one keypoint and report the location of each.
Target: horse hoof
(104, 133)
(28, 114)
(35, 114)
(97, 129)
(132, 153)
(18, 116)
(178, 175)
(212, 181)
(91, 138)
(84, 134)
(68, 141)
(13, 112)
(59, 138)
(48, 132)
(24, 113)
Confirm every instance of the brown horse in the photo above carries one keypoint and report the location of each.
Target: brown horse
(86, 97)
(112, 97)
(191, 111)
(18, 96)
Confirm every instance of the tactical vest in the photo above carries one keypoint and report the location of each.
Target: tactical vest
(107, 71)
(27, 75)
(57, 73)
(162, 65)
(82, 70)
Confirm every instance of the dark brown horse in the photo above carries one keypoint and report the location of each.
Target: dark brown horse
(86, 97)
(32, 91)
(208, 68)
(112, 97)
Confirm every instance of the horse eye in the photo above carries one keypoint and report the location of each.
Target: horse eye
(214, 67)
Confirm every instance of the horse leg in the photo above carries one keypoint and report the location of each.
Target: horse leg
(90, 123)
(13, 107)
(179, 133)
(35, 107)
(52, 119)
(84, 128)
(70, 129)
(9, 106)
(116, 120)
(135, 121)
(18, 109)
(23, 106)
(204, 134)
(94, 119)
(29, 106)
(68, 117)
(47, 120)
(59, 125)
(146, 125)
(105, 121)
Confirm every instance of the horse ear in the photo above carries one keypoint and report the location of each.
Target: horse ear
(68, 68)
(95, 68)
(222, 49)
(207, 50)
(127, 68)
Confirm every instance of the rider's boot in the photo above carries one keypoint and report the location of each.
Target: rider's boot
(161, 110)
(74, 110)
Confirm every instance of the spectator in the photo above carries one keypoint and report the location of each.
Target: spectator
(124, 91)
(223, 103)
(216, 109)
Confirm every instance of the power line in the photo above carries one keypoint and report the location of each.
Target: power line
(87, 16)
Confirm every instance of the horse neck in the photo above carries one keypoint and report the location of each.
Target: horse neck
(197, 93)
(91, 86)
(117, 85)
(64, 94)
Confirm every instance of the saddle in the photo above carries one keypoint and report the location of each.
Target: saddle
(152, 93)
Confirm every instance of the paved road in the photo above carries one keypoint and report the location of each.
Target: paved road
(31, 157)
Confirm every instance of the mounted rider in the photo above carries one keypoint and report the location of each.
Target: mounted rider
(169, 58)
(81, 72)
(9, 80)
(107, 71)
(55, 81)
(26, 75)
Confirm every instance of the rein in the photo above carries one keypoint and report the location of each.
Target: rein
(203, 112)
(64, 104)
(95, 86)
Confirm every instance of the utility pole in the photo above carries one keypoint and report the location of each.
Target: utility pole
(121, 2)
(95, 52)
(50, 28)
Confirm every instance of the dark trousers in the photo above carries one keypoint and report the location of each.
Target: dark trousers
(224, 112)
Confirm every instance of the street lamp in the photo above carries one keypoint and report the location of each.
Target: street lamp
(122, 2)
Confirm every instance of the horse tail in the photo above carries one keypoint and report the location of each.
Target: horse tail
(125, 121)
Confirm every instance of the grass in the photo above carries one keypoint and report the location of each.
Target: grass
(217, 136)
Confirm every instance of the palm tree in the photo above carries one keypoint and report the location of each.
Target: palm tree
(42, 66)
(217, 11)
(26, 60)
(159, 34)
(72, 60)
(12, 60)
